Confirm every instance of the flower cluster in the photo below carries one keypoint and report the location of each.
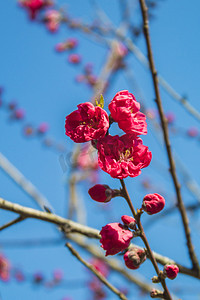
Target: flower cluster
(119, 156)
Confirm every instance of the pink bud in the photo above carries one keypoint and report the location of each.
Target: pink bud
(192, 132)
(43, 128)
(19, 276)
(170, 117)
(171, 271)
(71, 43)
(153, 203)
(60, 47)
(38, 277)
(74, 59)
(19, 114)
(129, 221)
(134, 258)
(12, 105)
(57, 275)
(101, 193)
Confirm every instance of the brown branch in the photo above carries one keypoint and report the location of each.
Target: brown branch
(181, 207)
(15, 221)
(96, 272)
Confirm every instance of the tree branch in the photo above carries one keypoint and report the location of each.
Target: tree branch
(15, 221)
(181, 207)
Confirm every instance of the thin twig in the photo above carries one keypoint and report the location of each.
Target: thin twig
(96, 272)
(15, 221)
(181, 207)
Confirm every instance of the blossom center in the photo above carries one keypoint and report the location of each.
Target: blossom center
(126, 155)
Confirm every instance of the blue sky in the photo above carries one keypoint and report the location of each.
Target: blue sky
(43, 84)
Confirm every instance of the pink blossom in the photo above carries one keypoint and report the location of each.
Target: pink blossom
(101, 193)
(171, 271)
(115, 238)
(134, 258)
(153, 203)
(122, 156)
(87, 123)
(125, 111)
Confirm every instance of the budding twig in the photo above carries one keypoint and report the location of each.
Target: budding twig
(144, 239)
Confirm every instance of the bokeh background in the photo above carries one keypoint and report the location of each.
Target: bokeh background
(44, 84)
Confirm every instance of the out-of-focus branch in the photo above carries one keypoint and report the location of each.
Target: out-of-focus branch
(66, 225)
(23, 182)
(69, 226)
(181, 207)
(96, 272)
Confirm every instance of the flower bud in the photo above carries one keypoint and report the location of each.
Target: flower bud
(74, 58)
(129, 221)
(43, 128)
(171, 271)
(156, 294)
(153, 203)
(19, 114)
(134, 258)
(101, 193)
